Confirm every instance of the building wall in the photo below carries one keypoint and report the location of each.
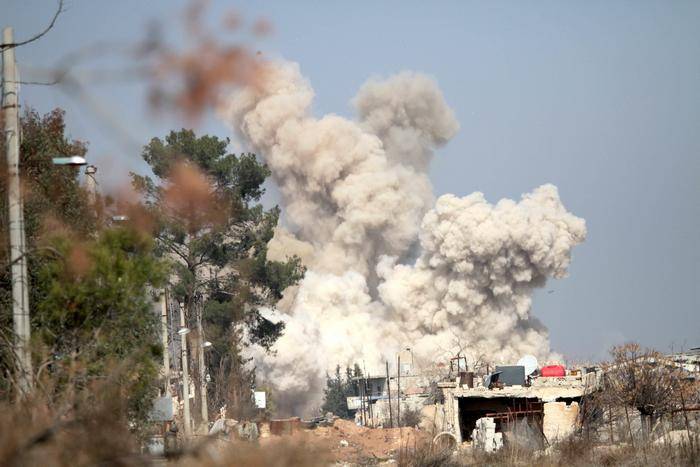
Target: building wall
(560, 420)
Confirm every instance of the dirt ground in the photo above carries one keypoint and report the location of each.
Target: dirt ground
(349, 443)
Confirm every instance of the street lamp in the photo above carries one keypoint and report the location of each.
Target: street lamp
(90, 170)
(71, 161)
(203, 380)
(18, 261)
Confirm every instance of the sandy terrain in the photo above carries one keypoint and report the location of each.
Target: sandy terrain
(348, 442)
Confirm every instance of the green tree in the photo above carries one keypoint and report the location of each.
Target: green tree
(92, 314)
(96, 314)
(338, 389)
(212, 227)
(53, 201)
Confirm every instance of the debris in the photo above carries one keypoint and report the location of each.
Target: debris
(247, 431)
(485, 436)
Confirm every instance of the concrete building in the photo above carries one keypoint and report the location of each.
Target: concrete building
(688, 361)
(550, 402)
(406, 388)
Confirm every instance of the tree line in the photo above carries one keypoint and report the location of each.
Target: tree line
(196, 229)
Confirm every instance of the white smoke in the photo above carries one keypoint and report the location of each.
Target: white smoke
(478, 266)
(354, 194)
(409, 114)
(341, 191)
(333, 321)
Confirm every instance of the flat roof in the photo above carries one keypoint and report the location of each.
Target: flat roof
(545, 389)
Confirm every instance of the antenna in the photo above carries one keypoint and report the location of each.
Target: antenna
(530, 364)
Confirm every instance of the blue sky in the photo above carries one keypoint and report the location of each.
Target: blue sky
(601, 98)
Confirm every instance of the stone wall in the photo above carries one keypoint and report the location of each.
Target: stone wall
(559, 420)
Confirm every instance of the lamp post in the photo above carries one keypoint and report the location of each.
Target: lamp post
(203, 381)
(71, 161)
(166, 350)
(18, 260)
(90, 171)
(183, 331)
(200, 363)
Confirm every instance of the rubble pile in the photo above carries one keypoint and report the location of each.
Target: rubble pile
(485, 437)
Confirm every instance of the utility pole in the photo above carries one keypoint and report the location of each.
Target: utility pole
(166, 349)
(18, 260)
(388, 388)
(202, 371)
(361, 390)
(185, 375)
(398, 390)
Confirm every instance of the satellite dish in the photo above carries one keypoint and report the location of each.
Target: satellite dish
(530, 364)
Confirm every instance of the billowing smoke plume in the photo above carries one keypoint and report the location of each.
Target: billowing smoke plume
(473, 282)
(341, 191)
(355, 194)
(409, 115)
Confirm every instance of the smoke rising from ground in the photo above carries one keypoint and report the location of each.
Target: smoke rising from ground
(358, 200)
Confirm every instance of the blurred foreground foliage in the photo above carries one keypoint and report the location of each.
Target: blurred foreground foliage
(89, 283)
(96, 309)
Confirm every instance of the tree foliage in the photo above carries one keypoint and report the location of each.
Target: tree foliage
(338, 388)
(212, 227)
(96, 312)
(90, 307)
(53, 198)
(53, 201)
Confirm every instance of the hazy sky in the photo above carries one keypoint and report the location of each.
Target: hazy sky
(601, 98)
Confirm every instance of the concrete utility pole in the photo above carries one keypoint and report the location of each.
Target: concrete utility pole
(185, 376)
(202, 370)
(388, 388)
(18, 260)
(166, 349)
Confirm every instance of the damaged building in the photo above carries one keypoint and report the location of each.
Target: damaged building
(550, 402)
(547, 399)
(386, 399)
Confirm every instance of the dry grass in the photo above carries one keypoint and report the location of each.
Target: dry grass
(575, 452)
(285, 452)
(85, 428)
(425, 454)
